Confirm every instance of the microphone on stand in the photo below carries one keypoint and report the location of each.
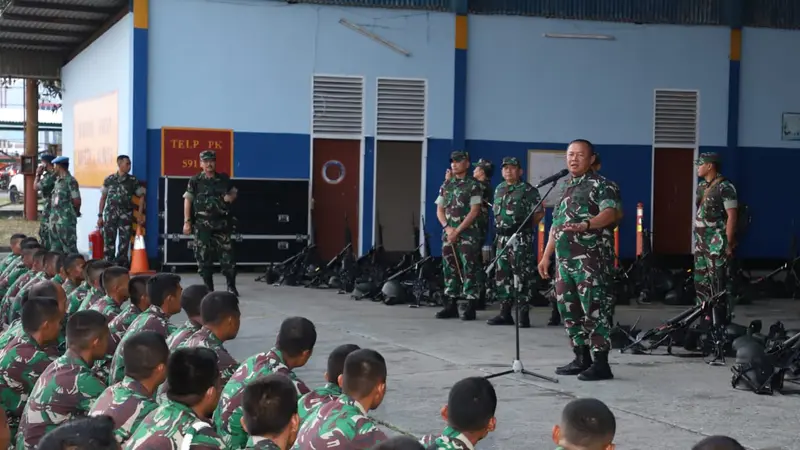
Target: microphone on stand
(552, 178)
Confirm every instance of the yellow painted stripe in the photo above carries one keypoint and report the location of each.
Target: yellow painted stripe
(736, 45)
(461, 32)
(140, 14)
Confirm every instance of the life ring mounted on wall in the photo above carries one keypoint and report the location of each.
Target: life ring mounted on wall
(337, 178)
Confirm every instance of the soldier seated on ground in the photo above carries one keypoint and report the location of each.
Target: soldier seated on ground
(221, 321)
(36, 273)
(131, 400)
(586, 424)
(87, 433)
(95, 278)
(23, 360)
(718, 443)
(190, 303)
(42, 289)
(343, 423)
(14, 270)
(181, 421)
(16, 251)
(293, 347)
(74, 266)
(139, 301)
(115, 281)
(269, 406)
(400, 443)
(68, 387)
(331, 389)
(469, 414)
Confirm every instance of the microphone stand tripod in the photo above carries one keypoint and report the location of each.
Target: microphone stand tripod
(516, 365)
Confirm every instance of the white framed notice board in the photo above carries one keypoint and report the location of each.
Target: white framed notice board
(542, 164)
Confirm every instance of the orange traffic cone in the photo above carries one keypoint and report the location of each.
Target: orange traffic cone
(139, 264)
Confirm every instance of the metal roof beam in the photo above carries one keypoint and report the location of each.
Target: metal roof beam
(45, 32)
(30, 64)
(54, 20)
(34, 44)
(62, 7)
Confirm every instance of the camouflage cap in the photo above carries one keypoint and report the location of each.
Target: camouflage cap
(511, 161)
(459, 156)
(486, 165)
(705, 158)
(208, 155)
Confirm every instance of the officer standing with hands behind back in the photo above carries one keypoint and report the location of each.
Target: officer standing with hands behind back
(45, 182)
(206, 211)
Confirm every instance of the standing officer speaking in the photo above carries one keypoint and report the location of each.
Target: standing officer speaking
(587, 206)
(514, 199)
(206, 211)
(45, 182)
(459, 204)
(116, 210)
(66, 202)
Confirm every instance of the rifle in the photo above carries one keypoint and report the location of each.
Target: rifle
(424, 285)
(287, 271)
(347, 271)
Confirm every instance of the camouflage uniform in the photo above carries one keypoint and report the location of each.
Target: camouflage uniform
(450, 439)
(118, 213)
(128, 403)
(8, 261)
(581, 272)
(610, 251)
(260, 443)
(68, 286)
(212, 223)
(711, 241)
(174, 426)
(65, 390)
(315, 398)
(340, 424)
(483, 223)
(120, 324)
(22, 362)
(461, 266)
(94, 295)
(152, 319)
(514, 203)
(206, 338)
(183, 333)
(46, 184)
(106, 306)
(227, 417)
(64, 216)
(76, 297)
(15, 331)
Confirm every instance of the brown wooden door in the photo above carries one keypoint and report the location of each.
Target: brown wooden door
(335, 193)
(673, 194)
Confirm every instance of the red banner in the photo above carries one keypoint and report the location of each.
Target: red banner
(181, 147)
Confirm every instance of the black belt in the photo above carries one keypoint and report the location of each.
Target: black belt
(508, 232)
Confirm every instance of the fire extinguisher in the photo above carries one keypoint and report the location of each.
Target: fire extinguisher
(96, 244)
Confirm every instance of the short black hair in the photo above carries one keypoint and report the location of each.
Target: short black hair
(585, 142)
(137, 288)
(191, 298)
(96, 269)
(587, 421)
(400, 443)
(44, 288)
(84, 433)
(363, 370)
(190, 372)
(143, 352)
(112, 274)
(162, 285)
(471, 404)
(85, 326)
(16, 237)
(718, 443)
(121, 157)
(38, 310)
(297, 334)
(268, 404)
(72, 259)
(336, 361)
(218, 306)
(39, 254)
(30, 243)
(56, 259)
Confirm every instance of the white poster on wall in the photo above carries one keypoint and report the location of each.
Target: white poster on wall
(790, 127)
(542, 164)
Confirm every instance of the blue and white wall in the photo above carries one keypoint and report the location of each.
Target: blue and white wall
(103, 67)
(251, 71)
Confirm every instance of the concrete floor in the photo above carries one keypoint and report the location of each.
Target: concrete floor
(660, 402)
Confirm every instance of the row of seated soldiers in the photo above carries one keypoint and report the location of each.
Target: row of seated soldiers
(160, 386)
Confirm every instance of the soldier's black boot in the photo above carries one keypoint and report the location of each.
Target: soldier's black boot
(582, 361)
(480, 304)
(231, 281)
(468, 313)
(208, 280)
(599, 370)
(525, 317)
(555, 316)
(450, 310)
(504, 318)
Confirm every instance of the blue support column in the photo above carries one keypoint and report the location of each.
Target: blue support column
(139, 153)
(734, 86)
(461, 9)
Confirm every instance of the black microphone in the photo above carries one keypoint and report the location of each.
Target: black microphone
(552, 178)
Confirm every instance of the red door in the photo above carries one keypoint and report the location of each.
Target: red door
(673, 194)
(335, 181)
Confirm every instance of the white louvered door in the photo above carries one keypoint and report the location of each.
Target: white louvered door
(675, 118)
(338, 106)
(401, 107)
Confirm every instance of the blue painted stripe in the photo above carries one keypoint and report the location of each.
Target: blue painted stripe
(732, 154)
(460, 100)
(367, 212)
(139, 113)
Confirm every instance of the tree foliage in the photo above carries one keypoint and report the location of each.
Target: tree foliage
(49, 90)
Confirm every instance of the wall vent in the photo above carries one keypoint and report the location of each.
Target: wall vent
(401, 108)
(338, 105)
(675, 118)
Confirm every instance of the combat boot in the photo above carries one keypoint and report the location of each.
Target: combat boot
(450, 310)
(468, 311)
(582, 361)
(231, 281)
(599, 370)
(555, 316)
(208, 280)
(524, 317)
(504, 318)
